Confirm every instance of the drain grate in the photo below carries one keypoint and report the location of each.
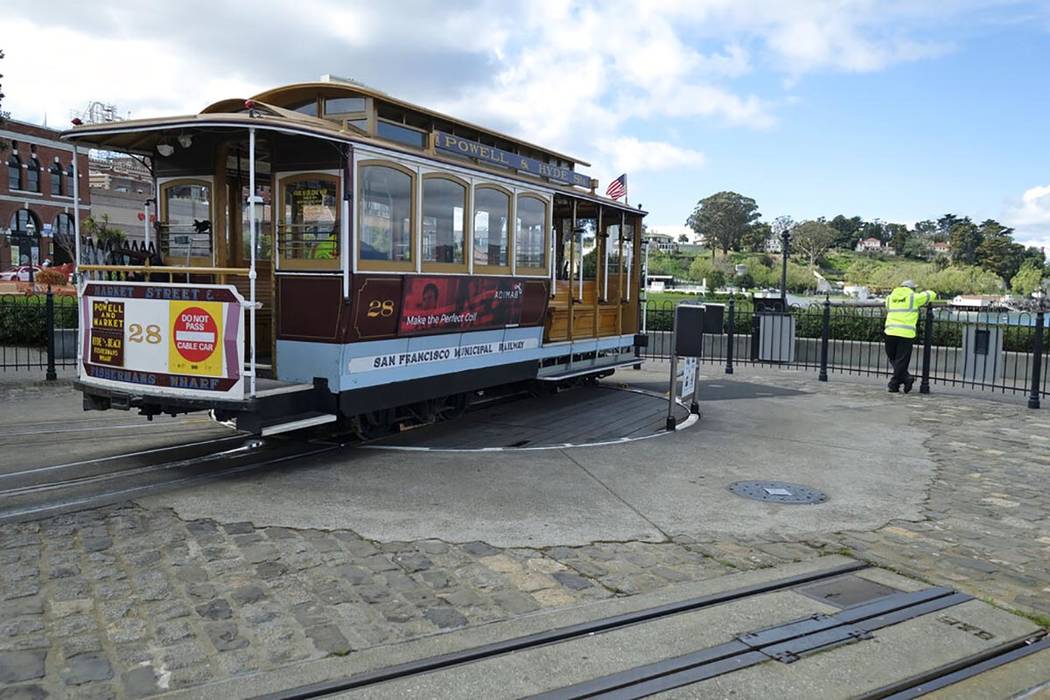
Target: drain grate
(778, 492)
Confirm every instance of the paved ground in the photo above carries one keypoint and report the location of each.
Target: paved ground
(374, 547)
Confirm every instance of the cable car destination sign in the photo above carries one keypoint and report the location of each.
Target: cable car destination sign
(176, 339)
(497, 156)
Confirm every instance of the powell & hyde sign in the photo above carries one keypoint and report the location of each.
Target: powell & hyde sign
(497, 156)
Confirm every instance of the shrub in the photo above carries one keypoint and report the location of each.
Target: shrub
(52, 277)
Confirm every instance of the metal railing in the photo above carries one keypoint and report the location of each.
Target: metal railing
(308, 242)
(183, 242)
(986, 350)
(38, 331)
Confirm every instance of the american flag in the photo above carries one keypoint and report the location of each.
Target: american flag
(617, 188)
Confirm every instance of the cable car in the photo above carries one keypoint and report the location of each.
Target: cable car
(324, 252)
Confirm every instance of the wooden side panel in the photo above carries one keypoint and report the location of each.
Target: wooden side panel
(557, 327)
(310, 308)
(376, 304)
(607, 320)
(583, 322)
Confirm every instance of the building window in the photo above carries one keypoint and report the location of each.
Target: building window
(530, 243)
(69, 180)
(55, 171)
(491, 215)
(63, 225)
(14, 172)
(444, 218)
(386, 216)
(24, 222)
(401, 134)
(33, 174)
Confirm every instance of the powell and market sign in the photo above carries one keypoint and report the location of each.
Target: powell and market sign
(497, 156)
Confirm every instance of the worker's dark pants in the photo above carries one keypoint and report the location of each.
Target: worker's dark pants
(898, 350)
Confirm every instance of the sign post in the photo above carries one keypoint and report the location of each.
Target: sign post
(687, 339)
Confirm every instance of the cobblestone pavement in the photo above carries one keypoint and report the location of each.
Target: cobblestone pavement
(126, 601)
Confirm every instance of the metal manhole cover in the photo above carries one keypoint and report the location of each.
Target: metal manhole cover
(778, 492)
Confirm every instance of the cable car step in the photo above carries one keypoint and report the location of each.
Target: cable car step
(297, 422)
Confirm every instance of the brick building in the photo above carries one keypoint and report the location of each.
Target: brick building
(36, 193)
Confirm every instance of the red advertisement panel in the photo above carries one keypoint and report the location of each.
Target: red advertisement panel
(447, 304)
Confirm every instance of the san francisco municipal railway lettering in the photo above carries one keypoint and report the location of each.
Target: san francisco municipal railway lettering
(407, 359)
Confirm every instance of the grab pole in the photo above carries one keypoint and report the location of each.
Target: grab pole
(251, 266)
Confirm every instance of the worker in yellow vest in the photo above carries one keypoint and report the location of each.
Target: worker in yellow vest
(902, 319)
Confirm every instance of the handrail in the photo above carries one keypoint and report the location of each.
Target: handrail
(166, 269)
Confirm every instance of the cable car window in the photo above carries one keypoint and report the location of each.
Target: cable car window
(491, 214)
(386, 214)
(186, 203)
(401, 134)
(311, 219)
(587, 239)
(344, 105)
(444, 204)
(309, 108)
(529, 240)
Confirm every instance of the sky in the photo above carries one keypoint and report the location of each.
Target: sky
(890, 109)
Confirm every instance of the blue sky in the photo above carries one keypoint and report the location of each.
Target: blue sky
(897, 109)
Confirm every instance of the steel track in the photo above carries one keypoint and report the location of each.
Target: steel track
(44, 491)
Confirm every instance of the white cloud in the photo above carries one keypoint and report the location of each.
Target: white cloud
(574, 76)
(1030, 216)
(628, 154)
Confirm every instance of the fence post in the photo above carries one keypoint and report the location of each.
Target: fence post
(927, 351)
(1037, 359)
(825, 335)
(49, 311)
(729, 336)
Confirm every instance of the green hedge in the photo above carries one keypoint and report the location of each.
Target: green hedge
(23, 319)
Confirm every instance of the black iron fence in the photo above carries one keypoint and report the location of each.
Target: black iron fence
(986, 350)
(38, 331)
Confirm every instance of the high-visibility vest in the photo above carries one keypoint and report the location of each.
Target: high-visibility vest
(326, 249)
(902, 310)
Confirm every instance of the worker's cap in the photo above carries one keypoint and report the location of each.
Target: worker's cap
(910, 284)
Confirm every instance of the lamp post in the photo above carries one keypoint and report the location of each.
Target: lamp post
(785, 249)
(31, 234)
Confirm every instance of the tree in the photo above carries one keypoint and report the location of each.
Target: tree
(780, 224)
(813, 239)
(847, 231)
(999, 254)
(682, 238)
(723, 218)
(964, 238)
(899, 237)
(1028, 279)
(990, 228)
(755, 237)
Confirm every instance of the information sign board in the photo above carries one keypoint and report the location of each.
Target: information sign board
(183, 340)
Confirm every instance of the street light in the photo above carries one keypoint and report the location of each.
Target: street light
(785, 243)
(31, 233)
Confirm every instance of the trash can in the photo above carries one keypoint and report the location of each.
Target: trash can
(65, 343)
(773, 337)
(983, 359)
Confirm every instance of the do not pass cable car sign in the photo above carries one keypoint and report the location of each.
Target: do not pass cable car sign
(167, 340)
